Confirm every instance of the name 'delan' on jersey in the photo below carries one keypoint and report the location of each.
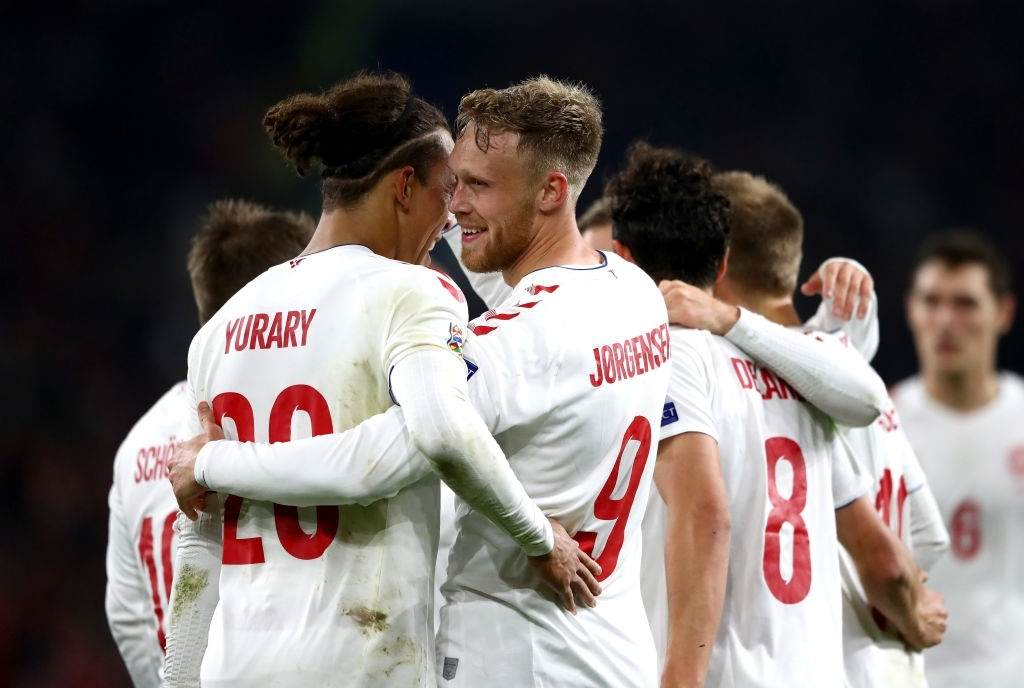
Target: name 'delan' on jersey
(263, 331)
(630, 357)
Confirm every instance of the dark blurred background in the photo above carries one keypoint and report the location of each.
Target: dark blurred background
(123, 120)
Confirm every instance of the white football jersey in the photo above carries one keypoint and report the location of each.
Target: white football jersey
(141, 539)
(786, 471)
(570, 376)
(975, 467)
(874, 654)
(324, 596)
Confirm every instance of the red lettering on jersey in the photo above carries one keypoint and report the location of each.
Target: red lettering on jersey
(274, 336)
(620, 367)
(263, 331)
(597, 377)
(771, 385)
(742, 374)
(453, 290)
(631, 357)
(229, 332)
(242, 336)
(151, 462)
(889, 420)
(290, 325)
(259, 326)
(306, 322)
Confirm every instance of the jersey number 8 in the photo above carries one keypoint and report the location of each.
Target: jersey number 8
(786, 511)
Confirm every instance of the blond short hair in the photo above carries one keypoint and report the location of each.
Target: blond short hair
(766, 234)
(559, 124)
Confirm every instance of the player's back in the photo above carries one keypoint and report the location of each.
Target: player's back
(785, 475)
(570, 375)
(328, 595)
(141, 544)
(975, 467)
(874, 654)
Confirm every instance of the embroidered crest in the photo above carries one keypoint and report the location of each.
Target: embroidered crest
(451, 665)
(456, 338)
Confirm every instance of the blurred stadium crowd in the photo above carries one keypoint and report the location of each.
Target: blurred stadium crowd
(125, 120)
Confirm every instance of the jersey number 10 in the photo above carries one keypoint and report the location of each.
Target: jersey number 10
(293, 539)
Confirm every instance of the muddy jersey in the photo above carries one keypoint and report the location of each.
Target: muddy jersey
(327, 595)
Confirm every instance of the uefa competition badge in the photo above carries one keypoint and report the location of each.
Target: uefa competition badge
(456, 339)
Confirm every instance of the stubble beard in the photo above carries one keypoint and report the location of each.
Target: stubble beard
(503, 247)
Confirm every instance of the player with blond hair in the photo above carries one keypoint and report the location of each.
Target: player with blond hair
(569, 374)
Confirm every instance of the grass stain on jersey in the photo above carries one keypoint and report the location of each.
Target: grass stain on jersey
(369, 620)
(189, 585)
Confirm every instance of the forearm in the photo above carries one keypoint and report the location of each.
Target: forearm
(194, 596)
(834, 379)
(696, 564)
(430, 386)
(371, 461)
(928, 534)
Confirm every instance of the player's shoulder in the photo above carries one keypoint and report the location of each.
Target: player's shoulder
(907, 393)
(163, 419)
(1013, 384)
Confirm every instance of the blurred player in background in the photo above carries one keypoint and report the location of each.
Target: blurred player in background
(964, 418)
(778, 628)
(765, 250)
(236, 242)
(569, 373)
(596, 225)
(317, 345)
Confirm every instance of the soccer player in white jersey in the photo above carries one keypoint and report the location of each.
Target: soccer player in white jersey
(781, 624)
(765, 248)
(569, 374)
(963, 417)
(237, 241)
(341, 596)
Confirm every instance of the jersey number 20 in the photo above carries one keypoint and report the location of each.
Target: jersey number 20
(293, 539)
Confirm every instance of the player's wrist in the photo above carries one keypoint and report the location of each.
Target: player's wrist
(726, 317)
(200, 469)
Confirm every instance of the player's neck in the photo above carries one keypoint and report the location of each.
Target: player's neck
(963, 391)
(361, 225)
(778, 309)
(557, 242)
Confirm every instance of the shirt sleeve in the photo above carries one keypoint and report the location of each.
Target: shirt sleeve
(829, 375)
(429, 313)
(373, 460)
(194, 594)
(849, 482)
(928, 535)
(129, 602)
(688, 402)
(861, 333)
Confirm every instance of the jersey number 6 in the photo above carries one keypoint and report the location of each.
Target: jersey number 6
(293, 539)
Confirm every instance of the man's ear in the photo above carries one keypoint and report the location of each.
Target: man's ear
(723, 267)
(1007, 311)
(402, 186)
(622, 251)
(554, 193)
